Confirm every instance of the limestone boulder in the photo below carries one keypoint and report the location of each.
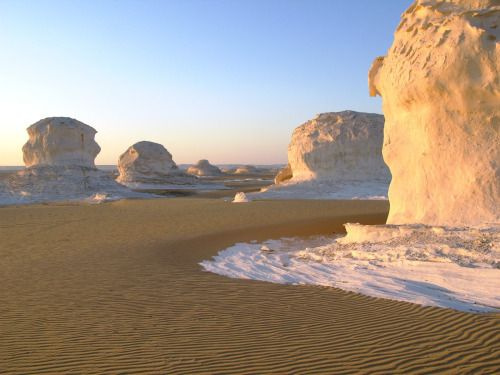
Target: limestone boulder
(60, 165)
(149, 162)
(283, 175)
(60, 141)
(247, 170)
(339, 146)
(204, 168)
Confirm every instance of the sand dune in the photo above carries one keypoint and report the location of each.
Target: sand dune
(117, 288)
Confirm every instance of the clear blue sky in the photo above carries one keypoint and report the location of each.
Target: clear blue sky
(223, 80)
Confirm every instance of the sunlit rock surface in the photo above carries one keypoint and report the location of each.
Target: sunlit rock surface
(339, 146)
(59, 157)
(441, 99)
(336, 155)
(204, 168)
(284, 174)
(151, 163)
(60, 141)
(240, 197)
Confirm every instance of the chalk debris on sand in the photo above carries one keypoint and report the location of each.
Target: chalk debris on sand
(447, 267)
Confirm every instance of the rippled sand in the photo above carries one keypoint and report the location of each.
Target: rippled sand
(116, 288)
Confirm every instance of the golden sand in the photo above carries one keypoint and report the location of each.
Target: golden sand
(116, 288)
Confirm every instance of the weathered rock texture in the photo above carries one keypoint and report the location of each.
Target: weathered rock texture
(283, 175)
(204, 168)
(338, 146)
(441, 99)
(149, 162)
(57, 141)
(59, 157)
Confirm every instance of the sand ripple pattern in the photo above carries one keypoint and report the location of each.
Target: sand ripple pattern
(132, 299)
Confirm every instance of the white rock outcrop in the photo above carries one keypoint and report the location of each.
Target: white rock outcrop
(336, 155)
(204, 168)
(240, 197)
(283, 175)
(441, 99)
(59, 157)
(247, 170)
(151, 163)
(339, 146)
(58, 141)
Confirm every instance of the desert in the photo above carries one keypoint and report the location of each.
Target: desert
(96, 294)
(216, 187)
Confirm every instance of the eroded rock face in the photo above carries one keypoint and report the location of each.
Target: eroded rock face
(441, 99)
(59, 157)
(60, 141)
(204, 168)
(148, 162)
(338, 146)
(283, 175)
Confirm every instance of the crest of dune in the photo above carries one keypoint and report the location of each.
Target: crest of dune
(441, 99)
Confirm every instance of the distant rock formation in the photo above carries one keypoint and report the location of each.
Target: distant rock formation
(204, 168)
(149, 162)
(247, 169)
(336, 155)
(339, 146)
(283, 175)
(441, 98)
(60, 141)
(59, 157)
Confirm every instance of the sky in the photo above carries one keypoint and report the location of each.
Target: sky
(221, 80)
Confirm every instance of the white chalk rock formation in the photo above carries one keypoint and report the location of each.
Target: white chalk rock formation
(441, 99)
(283, 175)
(151, 163)
(204, 168)
(240, 197)
(246, 169)
(59, 158)
(339, 146)
(336, 155)
(58, 141)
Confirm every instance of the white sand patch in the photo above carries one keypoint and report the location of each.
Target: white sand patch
(454, 268)
(324, 189)
(46, 184)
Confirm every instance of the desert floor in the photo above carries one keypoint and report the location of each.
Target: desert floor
(116, 288)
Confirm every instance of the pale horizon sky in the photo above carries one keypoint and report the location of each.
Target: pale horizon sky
(226, 81)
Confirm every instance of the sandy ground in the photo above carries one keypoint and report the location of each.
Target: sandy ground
(116, 288)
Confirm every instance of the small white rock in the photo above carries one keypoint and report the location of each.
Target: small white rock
(240, 197)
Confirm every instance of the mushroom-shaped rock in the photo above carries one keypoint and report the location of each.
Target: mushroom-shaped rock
(60, 141)
(149, 162)
(204, 168)
(339, 146)
(283, 175)
(441, 100)
(59, 157)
